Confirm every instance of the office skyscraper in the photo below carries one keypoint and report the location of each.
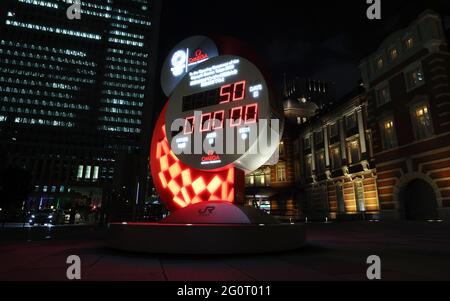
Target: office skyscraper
(76, 98)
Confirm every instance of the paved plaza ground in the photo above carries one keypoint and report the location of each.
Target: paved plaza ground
(335, 251)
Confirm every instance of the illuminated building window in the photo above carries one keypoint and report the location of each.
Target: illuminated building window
(334, 130)
(414, 78)
(307, 142)
(350, 121)
(54, 30)
(87, 174)
(40, 3)
(394, 54)
(318, 137)
(409, 43)
(320, 162)
(308, 166)
(80, 172)
(95, 173)
(388, 135)
(422, 122)
(380, 63)
(281, 172)
(383, 95)
(359, 196)
(353, 151)
(282, 149)
(335, 154)
(259, 178)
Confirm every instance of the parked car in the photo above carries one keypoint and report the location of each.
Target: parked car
(47, 216)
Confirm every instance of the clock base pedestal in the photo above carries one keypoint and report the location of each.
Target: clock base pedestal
(209, 228)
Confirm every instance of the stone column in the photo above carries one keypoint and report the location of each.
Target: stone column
(342, 135)
(327, 146)
(362, 132)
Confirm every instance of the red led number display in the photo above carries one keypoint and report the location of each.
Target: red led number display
(242, 115)
(232, 92)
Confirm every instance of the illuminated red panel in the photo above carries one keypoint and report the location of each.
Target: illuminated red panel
(206, 123)
(179, 185)
(186, 176)
(189, 125)
(225, 94)
(236, 116)
(214, 185)
(251, 113)
(218, 119)
(239, 91)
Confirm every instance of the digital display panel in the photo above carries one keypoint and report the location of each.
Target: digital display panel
(224, 94)
(215, 117)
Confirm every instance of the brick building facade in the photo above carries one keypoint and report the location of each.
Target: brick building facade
(408, 90)
(382, 152)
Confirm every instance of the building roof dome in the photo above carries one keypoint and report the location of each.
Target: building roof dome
(294, 108)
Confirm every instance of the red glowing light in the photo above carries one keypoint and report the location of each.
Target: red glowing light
(189, 125)
(218, 120)
(179, 185)
(206, 122)
(199, 56)
(232, 92)
(225, 94)
(236, 116)
(251, 113)
(239, 91)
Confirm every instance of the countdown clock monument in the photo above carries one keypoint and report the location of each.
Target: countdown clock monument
(219, 123)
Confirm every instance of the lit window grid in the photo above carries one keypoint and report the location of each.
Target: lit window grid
(128, 52)
(29, 111)
(54, 30)
(40, 3)
(35, 92)
(51, 58)
(38, 83)
(127, 34)
(46, 122)
(126, 69)
(122, 102)
(67, 52)
(125, 42)
(44, 103)
(127, 61)
(121, 111)
(124, 86)
(123, 94)
(120, 120)
(36, 65)
(28, 74)
(121, 129)
(125, 77)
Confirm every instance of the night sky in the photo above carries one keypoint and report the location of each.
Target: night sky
(322, 40)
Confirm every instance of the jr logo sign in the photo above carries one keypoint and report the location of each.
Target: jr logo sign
(207, 211)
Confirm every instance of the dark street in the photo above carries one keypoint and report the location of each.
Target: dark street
(408, 251)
